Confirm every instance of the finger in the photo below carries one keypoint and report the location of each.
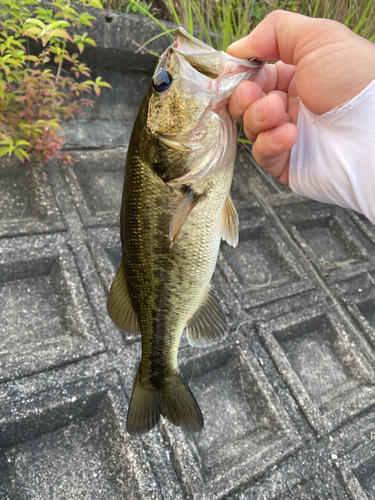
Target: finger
(263, 114)
(285, 74)
(267, 78)
(283, 96)
(271, 149)
(245, 94)
(276, 37)
(313, 45)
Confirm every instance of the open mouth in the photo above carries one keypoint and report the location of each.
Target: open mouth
(209, 61)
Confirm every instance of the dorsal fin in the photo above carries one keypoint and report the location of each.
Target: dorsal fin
(209, 324)
(229, 223)
(120, 307)
(186, 205)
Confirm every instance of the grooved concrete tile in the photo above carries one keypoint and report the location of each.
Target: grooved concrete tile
(27, 204)
(317, 489)
(361, 305)
(95, 182)
(261, 268)
(366, 226)
(330, 240)
(252, 175)
(321, 362)
(69, 443)
(234, 395)
(45, 320)
(106, 252)
(358, 471)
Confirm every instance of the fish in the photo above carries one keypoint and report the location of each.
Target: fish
(176, 208)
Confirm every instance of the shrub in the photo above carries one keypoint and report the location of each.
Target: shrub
(41, 87)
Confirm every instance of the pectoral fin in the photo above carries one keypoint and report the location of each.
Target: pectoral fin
(120, 307)
(186, 205)
(209, 324)
(229, 224)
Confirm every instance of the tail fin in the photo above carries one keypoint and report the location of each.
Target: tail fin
(174, 401)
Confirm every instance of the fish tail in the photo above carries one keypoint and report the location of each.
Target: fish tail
(174, 400)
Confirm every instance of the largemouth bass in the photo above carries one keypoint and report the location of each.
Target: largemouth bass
(176, 208)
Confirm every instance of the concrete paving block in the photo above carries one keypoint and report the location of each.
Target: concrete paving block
(322, 364)
(95, 182)
(271, 189)
(27, 204)
(69, 442)
(330, 240)
(109, 123)
(234, 395)
(46, 319)
(262, 265)
(358, 471)
(318, 488)
(118, 105)
(361, 305)
(366, 226)
(105, 248)
(309, 474)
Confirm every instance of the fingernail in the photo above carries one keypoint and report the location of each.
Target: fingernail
(259, 111)
(277, 135)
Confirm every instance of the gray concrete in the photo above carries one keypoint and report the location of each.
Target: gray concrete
(288, 398)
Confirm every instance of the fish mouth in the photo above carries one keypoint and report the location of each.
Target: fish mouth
(209, 61)
(224, 72)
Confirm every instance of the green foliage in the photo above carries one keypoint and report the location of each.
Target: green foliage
(224, 21)
(358, 15)
(137, 7)
(34, 99)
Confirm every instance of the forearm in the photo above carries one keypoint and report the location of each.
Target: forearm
(333, 160)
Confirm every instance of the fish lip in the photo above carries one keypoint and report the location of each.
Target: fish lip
(181, 36)
(191, 48)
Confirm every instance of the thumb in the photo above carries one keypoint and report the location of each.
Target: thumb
(275, 38)
(333, 64)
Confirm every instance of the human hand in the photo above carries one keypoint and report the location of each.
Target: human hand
(322, 63)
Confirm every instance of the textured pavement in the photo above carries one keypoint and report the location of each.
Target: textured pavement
(289, 396)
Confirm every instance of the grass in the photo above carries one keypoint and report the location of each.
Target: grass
(225, 21)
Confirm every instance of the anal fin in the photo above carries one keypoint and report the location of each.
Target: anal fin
(209, 324)
(120, 307)
(229, 224)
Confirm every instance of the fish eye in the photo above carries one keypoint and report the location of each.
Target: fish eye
(162, 81)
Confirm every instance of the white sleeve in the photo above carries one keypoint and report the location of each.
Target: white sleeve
(333, 160)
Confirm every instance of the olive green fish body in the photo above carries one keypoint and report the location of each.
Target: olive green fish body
(176, 208)
(168, 290)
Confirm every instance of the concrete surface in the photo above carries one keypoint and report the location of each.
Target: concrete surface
(288, 398)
